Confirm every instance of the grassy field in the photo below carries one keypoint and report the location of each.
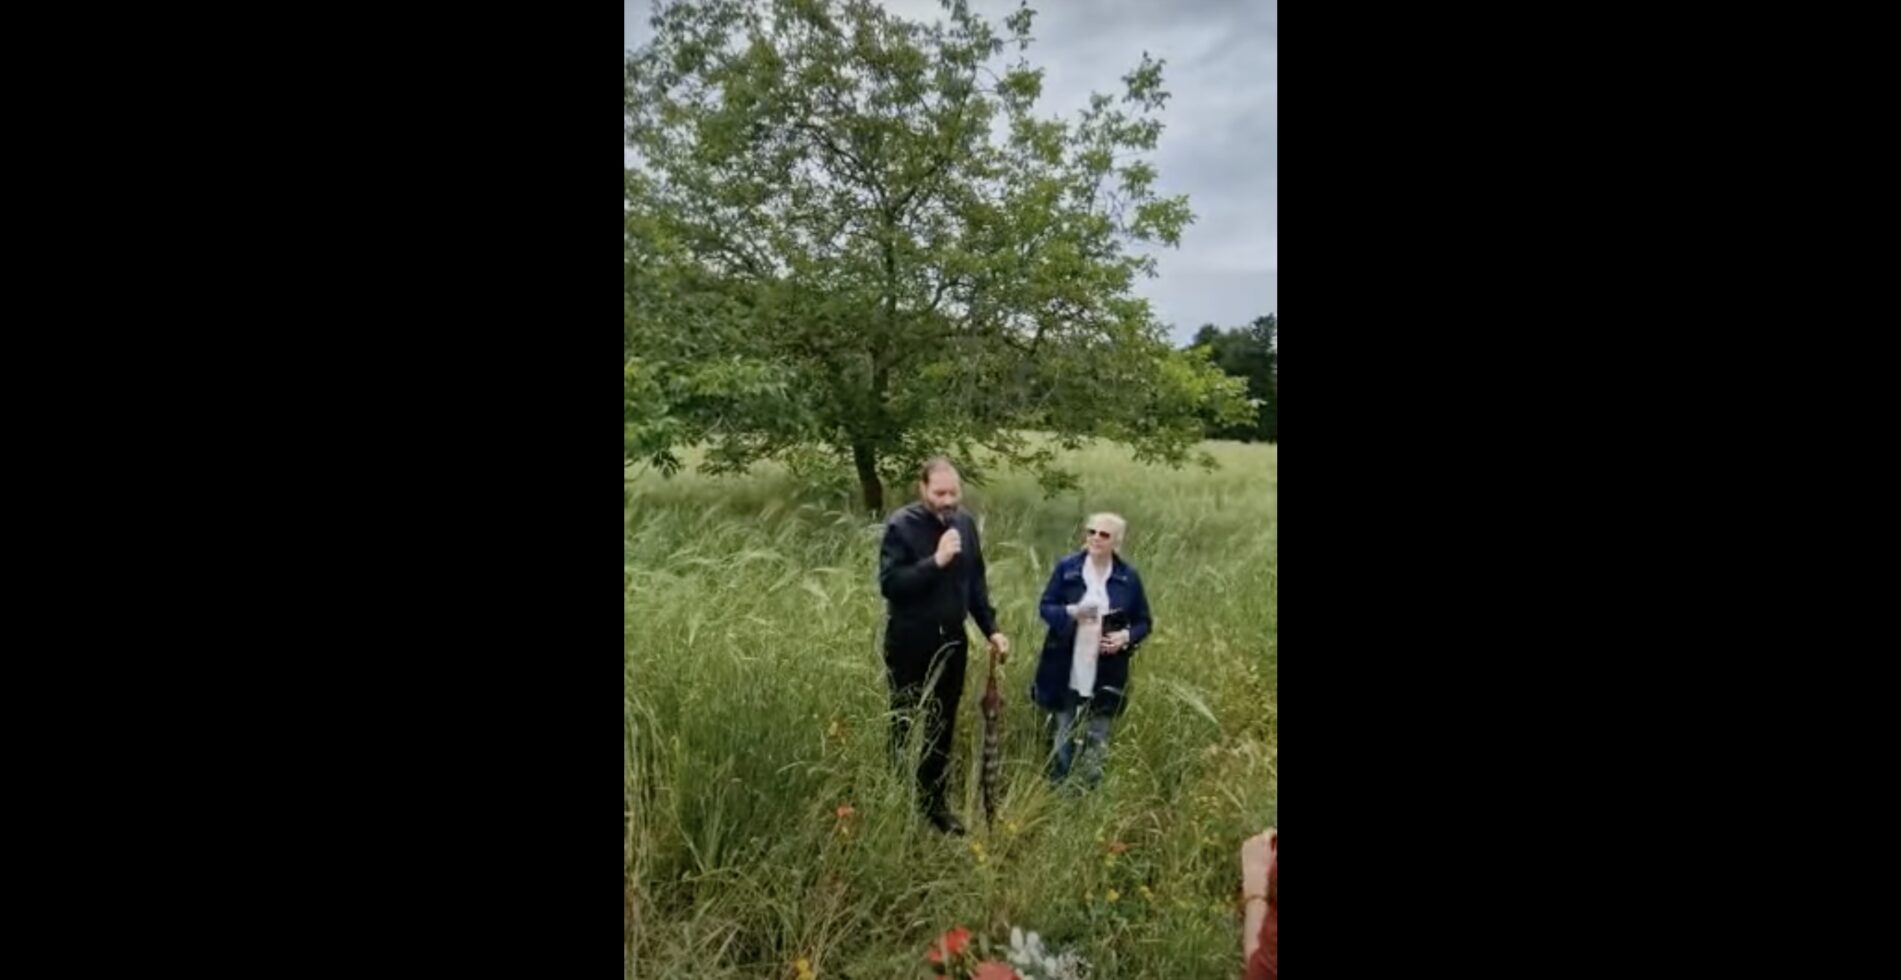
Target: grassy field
(755, 711)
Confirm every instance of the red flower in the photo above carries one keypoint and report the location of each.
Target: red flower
(1117, 847)
(950, 943)
(844, 811)
(994, 970)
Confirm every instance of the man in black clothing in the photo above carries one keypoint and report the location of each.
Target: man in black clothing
(931, 571)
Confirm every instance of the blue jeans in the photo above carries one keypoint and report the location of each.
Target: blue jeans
(1095, 739)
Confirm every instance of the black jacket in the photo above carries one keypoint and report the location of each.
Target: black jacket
(915, 589)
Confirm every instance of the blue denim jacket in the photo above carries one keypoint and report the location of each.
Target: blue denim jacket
(1050, 688)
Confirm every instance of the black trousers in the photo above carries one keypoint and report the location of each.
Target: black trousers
(924, 665)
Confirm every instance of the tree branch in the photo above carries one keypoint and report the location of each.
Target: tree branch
(863, 172)
(937, 296)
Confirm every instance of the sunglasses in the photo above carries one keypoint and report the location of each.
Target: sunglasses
(1092, 532)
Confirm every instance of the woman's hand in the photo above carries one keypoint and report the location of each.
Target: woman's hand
(1114, 643)
(1257, 855)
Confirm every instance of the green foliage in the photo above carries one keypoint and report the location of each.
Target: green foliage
(1250, 353)
(845, 230)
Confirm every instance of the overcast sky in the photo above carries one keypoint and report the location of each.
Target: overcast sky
(1220, 141)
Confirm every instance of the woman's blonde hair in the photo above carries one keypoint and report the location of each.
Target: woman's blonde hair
(1114, 523)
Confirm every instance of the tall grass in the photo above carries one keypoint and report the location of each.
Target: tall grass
(755, 709)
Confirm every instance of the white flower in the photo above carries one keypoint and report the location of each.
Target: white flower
(1027, 953)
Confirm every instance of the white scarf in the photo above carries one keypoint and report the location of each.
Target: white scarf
(1082, 664)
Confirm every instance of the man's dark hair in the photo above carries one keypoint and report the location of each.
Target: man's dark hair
(932, 465)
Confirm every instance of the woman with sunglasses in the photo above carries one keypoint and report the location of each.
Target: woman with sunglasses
(1098, 617)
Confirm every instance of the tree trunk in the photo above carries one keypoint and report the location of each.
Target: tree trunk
(867, 462)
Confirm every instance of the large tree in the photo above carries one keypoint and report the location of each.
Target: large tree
(846, 233)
